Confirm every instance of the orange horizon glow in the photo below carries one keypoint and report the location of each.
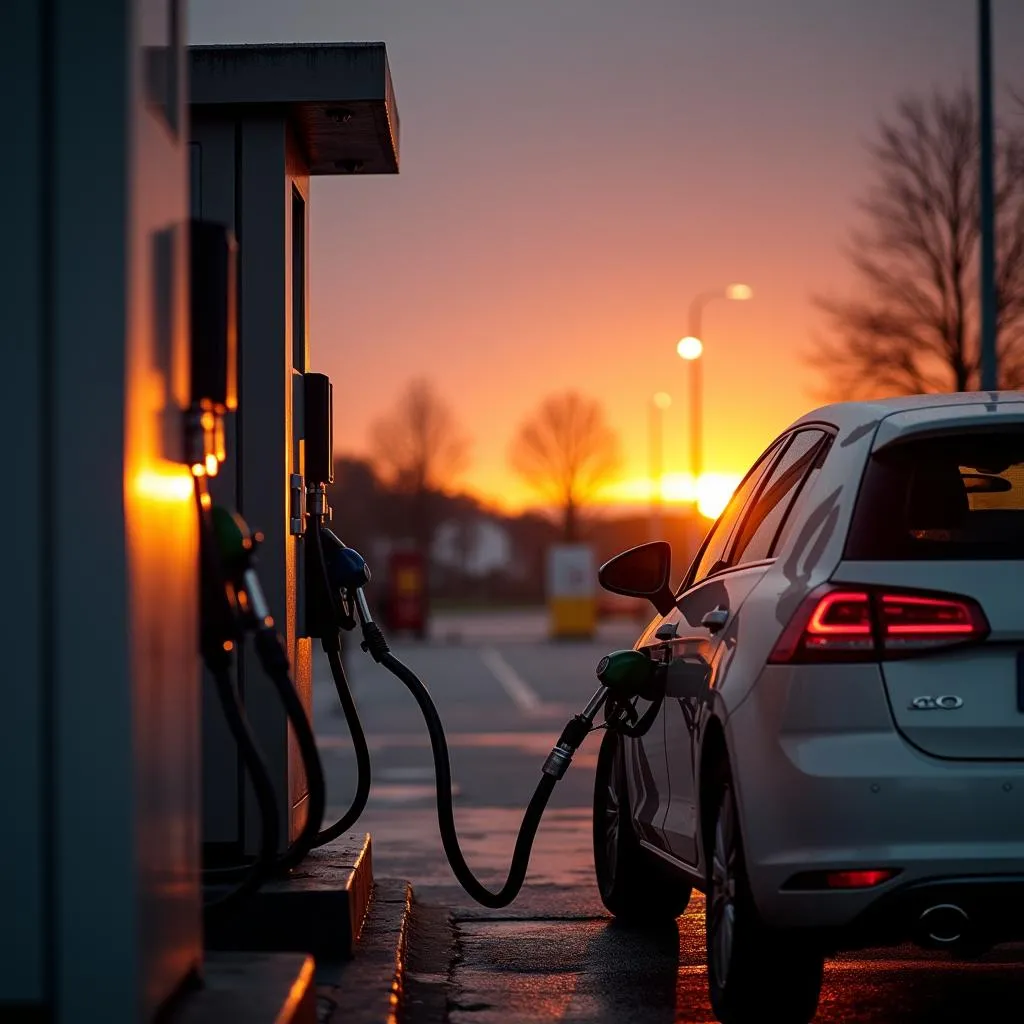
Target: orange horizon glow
(677, 491)
(711, 494)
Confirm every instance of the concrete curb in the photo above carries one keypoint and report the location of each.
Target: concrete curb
(257, 988)
(430, 961)
(370, 988)
(319, 908)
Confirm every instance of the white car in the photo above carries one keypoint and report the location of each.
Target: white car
(834, 751)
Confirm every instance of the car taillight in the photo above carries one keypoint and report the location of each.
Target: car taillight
(842, 623)
(816, 880)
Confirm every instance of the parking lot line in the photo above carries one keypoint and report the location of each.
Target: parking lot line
(519, 690)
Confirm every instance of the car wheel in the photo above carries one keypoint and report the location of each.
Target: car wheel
(634, 885)
(754, 972)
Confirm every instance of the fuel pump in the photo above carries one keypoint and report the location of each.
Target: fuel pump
(327, 611)
(214, 393)
(232, 600)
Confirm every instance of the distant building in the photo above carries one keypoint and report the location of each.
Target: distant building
(477, 546)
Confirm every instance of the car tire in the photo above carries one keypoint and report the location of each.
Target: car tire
(636, 887)
(754, 972)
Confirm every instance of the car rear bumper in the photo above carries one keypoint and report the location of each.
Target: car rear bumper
(853, 795)
(951, 913)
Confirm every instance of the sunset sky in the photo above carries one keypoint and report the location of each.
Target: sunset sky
(574, 171)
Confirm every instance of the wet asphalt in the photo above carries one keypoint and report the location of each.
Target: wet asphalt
(504, 692)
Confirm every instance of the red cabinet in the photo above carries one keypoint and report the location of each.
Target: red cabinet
(407, 592)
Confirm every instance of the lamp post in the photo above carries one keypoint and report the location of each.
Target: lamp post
(691, 348)
(659, 403)
(987, 276)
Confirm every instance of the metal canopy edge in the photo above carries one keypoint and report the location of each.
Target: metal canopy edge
(338, 96)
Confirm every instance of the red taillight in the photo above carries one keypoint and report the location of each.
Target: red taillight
(840, 621)
(837, 623)
(857, 879)
(815, 880)
(904, 615)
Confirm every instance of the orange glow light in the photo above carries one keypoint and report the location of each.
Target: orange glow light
(198, 469)
(212, 465)
(166, 485)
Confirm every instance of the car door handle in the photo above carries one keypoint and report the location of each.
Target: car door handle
(715, 619)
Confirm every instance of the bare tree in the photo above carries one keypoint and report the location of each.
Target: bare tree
(913, 324)
(420, 450)
(567, 452)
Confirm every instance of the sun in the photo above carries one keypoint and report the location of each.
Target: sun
(713, 493)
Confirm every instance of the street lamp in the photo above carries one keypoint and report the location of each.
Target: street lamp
(691, 348)
(659, 403)
(986, 190)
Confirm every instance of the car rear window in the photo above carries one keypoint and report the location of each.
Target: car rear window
(955, 496)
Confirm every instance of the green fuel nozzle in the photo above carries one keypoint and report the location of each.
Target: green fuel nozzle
(237, 544)
(235, 541)
(629, 674)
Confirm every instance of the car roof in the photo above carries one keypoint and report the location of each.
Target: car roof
(853, 415)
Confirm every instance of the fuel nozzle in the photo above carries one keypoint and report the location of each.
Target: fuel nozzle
(237, 546)
(347, 574)
(629, 674)
(347, 568)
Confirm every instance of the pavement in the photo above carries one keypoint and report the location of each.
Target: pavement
(504, 690)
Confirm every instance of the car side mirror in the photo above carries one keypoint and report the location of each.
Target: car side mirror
(642, 571)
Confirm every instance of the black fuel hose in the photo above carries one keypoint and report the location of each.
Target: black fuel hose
(263, 867)
(216, 649)
(274, 659)
(362, 751)
(332, 648)
(377, 646)
(275, 662)
(218, 638)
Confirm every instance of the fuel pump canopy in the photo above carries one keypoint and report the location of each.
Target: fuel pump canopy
(338, 97)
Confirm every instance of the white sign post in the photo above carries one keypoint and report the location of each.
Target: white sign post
(572, 590)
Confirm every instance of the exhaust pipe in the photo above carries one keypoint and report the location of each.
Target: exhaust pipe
(943, 926)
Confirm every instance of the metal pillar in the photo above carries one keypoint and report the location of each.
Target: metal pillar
(99, 736)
